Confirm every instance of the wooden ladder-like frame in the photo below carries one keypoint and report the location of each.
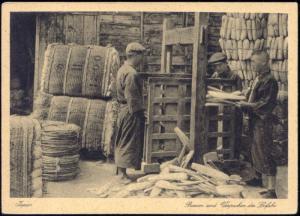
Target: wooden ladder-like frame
(196, 36)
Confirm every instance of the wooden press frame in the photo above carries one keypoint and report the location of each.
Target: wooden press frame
(196, 36)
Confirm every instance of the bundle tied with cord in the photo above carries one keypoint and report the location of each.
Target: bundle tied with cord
(96, 118)
(60, 149)
(76, 70)
(25, 158)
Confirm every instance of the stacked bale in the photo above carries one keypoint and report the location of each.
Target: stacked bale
(25, 158)
(60, 149)
(96, 118)
(277, 46)
(241, 34)
(89, 73)
(75, 70)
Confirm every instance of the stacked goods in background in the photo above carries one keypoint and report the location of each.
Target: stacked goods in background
(241, 34)
(96, 118)
(60, 150)
(25, 158)
(75, 70)
(277, 47)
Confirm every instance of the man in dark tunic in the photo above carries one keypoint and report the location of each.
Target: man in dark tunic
(261, 102)
(130, 132)
(222, 70)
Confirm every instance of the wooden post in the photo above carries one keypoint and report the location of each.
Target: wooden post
(197, 125)
(166, 53)
(36, 60)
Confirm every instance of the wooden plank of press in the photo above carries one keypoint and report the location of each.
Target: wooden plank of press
(164, 75)
(170, 117)
(179, 36)
(197, 124)
(170, 100)
(219, 134)
(164, 136)
(168, 81)
(90, 26)
(232, 132)
(164, 154)
(220, 127)
(166, 52)
(181, 111)
(176, 60)
(150, 123)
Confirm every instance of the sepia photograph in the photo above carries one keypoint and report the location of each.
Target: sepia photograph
(151, 106)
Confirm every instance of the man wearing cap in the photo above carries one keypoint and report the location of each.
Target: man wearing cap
(130, 132)
(222, 70)
(261, 100)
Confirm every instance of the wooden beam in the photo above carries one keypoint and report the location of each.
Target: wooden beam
(179, 36)
(166, 52)
(197, 124)
(37, 56)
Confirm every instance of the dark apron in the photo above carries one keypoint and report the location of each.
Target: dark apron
(129, 138)
(262, 144)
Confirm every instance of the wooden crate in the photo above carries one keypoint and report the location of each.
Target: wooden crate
(169, 101)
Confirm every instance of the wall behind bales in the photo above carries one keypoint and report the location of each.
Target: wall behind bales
(119, 29)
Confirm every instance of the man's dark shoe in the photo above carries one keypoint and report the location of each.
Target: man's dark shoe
(255, 182)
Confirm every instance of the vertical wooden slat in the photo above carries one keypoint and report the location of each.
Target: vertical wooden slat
(90, 26)
(78, 29)
(69, 28)
(42, 47)
(150, 122)
(37, 57)
(197, 125)
(98, 25)
(166, 52)
(220, 127)
(60, 36)
(180, 111)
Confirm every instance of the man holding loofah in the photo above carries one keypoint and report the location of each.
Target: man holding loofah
(261, 102)
(222, 70)
(130, 132)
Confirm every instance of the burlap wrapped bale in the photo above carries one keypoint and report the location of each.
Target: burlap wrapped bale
(88, 114)
(60, 149)
(76, 70)
(109, 128)
(25, 158)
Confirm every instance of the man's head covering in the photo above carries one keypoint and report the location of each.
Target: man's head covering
(134, 48)
(217, 58)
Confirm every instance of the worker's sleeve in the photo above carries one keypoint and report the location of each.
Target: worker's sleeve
(133, 93)
(267, 102)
